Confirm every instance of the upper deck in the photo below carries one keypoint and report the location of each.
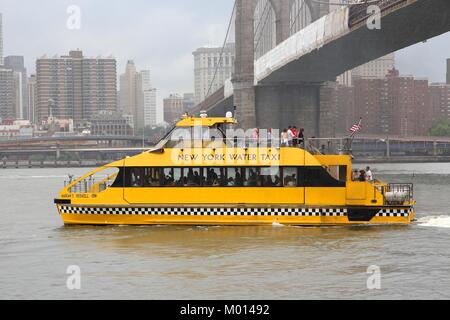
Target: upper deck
(204, 122)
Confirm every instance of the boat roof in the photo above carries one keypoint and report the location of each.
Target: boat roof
(204, 122)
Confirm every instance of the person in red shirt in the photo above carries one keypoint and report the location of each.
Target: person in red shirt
(295, 140)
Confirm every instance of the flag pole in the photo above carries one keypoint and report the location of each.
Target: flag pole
(351, 138)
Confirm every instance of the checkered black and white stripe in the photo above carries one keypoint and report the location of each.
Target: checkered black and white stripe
(205, 211)
(297, 212)
(394, 213)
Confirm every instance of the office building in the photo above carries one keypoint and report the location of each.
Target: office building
(212, 67)
(138, 98)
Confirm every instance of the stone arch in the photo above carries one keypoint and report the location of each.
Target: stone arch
(302, 13)
(265, 28)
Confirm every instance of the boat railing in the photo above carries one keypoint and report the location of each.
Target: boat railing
(90, 184)
(318, 146)
(323, 146)
(398, 193)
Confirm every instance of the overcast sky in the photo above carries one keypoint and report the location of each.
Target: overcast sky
(159, 35)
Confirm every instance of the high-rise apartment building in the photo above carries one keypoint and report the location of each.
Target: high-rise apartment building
(396, 105)
(376, 69)
(7, 94)
(212, 67)
(17, 65)
(440, 101)
(75, 87)
(173, 108)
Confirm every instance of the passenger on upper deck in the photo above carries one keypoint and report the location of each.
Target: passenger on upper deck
(369, 176)
(301, 138)
(291, 136)
(295, 138)
(355, 176)
(362, 176)
(284, 138)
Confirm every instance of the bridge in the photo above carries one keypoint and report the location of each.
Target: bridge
(287, 49)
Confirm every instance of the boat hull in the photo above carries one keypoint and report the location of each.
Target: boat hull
(255, 216)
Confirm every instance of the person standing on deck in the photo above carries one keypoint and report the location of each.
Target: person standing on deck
(295, 133)
(284, 138)
(291, 136)
(369, 175)
(301, 137)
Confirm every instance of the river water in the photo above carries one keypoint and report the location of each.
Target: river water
(166, 262)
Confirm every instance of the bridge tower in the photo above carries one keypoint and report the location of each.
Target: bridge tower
(280, 104)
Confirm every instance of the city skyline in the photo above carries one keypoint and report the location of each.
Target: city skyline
(103, 33)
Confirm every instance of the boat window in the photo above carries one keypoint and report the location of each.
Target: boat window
(192, 177)
(152, 177)
(172, 177)
(213, 138)
(180, 138)
(133, 177)
(119, 181)
(338, 172)
(333, 176)
(136, 177)
(235, 177)
(252, 177)
(342, 173)
(215, 177)
(320, 177)
(271, 176)
(290, 177)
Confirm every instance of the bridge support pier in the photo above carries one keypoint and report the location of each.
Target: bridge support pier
(280, 106)
(245, 101)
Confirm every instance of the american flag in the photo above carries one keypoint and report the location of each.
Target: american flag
(356, 127)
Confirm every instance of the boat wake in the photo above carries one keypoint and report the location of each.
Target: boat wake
(277, 225)
(434, 221)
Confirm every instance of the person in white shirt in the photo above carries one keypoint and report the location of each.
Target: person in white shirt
(284, 138)
(369, 176)
(291, 136)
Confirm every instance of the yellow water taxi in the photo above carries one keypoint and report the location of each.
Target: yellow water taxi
(207, 172)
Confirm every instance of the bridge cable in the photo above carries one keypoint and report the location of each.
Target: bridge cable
(262, 30)
(298, 14)
(223, 49)
(260, 20)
